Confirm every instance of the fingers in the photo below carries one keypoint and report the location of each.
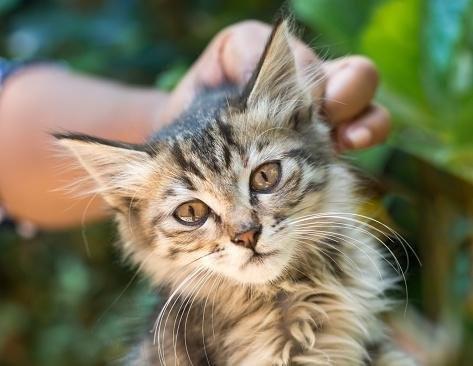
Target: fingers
(245, 44)
(233, 54)
(370, 128)
(231, 57)
(351, 85)
(242, 49)
(347, 90)
(205, 71)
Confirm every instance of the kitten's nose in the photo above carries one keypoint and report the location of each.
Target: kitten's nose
(248, 238)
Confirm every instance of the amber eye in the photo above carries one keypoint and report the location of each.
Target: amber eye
(192, 213)
(265, 177)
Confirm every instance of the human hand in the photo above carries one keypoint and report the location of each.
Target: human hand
(347, 93)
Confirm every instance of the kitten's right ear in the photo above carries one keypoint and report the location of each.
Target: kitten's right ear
(275, 70)
(276, 85)
(118, 169)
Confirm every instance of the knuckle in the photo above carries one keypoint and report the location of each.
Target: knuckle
(250, 25)
(382, 124)
(366, 68)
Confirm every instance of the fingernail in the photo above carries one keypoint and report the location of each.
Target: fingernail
(358, 136)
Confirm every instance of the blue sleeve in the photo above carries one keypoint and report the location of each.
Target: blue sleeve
(7, 68)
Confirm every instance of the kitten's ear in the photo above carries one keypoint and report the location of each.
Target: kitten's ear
(118, 169)
(275, 80)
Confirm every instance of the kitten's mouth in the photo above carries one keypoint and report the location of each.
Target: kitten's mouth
(258, 257)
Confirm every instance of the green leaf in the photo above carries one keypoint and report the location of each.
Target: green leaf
(392, 39)
(447, 54)
(461, 79)
(339, 28)
(372, 160)
(444, 28)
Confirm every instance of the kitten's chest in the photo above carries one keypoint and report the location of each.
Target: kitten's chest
(268, 330)
(302, 322)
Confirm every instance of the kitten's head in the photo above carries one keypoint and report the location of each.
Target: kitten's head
(226, 196)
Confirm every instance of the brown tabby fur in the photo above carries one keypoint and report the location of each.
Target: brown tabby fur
(312, 291)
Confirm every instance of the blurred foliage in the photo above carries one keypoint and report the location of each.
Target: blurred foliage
(55, 300)
(62, 306)
(424, 50)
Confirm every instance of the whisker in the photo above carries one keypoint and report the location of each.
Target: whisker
(390, 230)
(213, 307)
(83, 231)
(156, 336)
(321, 250)
(181, 311)
(401, 272)
(130, 227)
(361, 223)
(209, 275)
(127, 286)
(303, 241)
(338, 236)
(183, 306)
(334, 224)
(178, 318)
(203, 319)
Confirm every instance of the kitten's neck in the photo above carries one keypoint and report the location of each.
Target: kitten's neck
(227, 294)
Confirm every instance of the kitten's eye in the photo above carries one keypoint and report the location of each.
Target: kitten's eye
(192, 213)
(265, 177)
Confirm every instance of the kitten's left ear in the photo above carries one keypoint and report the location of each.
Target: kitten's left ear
(275, 81)
(118, 169)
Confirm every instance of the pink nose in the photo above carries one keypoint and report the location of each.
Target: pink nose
(248, 238)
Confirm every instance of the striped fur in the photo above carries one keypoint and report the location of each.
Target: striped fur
(314, 294)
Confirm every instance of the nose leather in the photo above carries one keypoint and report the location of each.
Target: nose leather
(248, 238)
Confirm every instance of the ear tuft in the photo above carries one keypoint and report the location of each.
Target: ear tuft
(275, 67)
(276, 85)
(117, 168)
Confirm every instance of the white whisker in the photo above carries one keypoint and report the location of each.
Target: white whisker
(157, 326)
(202, 285)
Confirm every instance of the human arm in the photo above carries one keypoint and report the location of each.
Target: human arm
(41, 99)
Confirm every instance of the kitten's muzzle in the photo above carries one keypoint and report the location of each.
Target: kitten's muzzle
(248, 238)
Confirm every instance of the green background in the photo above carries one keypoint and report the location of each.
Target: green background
(67, 299)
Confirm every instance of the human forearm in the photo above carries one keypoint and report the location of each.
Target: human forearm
(40, 100)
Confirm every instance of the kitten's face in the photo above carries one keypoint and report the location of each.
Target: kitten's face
(235, 212)
(224, 197)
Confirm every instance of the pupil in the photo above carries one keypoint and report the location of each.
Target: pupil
(265, 177)
(192, 212)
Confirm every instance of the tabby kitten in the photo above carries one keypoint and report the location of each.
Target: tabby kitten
(242, 214)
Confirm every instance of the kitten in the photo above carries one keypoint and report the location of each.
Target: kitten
(242, 214)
